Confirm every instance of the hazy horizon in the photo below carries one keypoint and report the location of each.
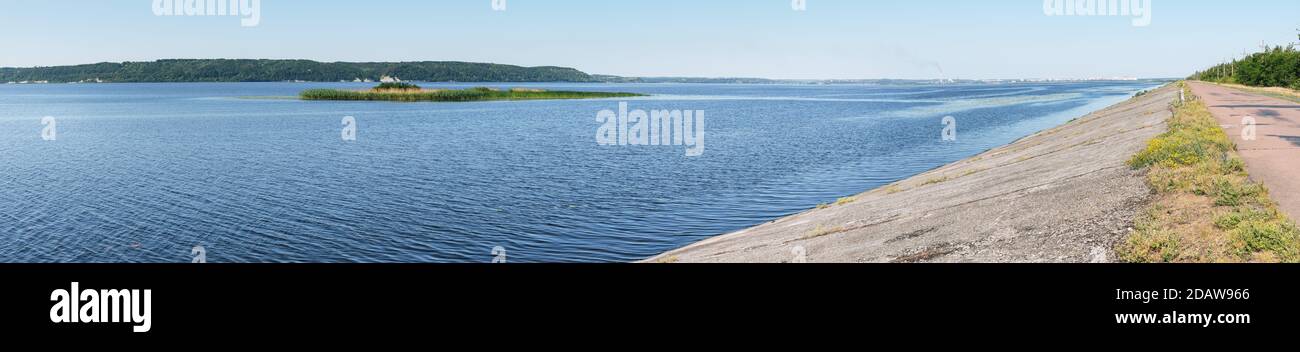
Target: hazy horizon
(664, 77)
(830, 40)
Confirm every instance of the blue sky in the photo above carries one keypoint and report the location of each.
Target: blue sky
(749, 38)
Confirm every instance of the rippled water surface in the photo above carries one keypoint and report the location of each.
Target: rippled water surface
(144, 172)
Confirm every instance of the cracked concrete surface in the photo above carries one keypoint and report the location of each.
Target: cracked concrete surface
(1061, 195)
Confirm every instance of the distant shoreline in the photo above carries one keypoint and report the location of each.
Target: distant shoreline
(308, 71)
(241, 70)
(883, 82)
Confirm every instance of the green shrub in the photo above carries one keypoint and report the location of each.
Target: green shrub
(1231, 194)
(1233, 164)
(1276, 237)
(397, 85)
(1231, 220)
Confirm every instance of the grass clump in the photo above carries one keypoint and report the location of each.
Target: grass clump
(894, 188)
(838, 202)
(1157, 245)
(822, 231)
(1267, 240)
(1206, 208)
(667, 260)
(396, 86)
(935, 181)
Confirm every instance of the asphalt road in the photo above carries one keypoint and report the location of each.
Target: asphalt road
(1273, 156)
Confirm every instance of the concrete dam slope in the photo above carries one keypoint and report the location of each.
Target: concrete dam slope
(1060, 195)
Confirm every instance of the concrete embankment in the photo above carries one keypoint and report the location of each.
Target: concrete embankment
(1061, 195)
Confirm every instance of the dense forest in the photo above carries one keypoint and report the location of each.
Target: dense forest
(1277, 66)
(224, 70)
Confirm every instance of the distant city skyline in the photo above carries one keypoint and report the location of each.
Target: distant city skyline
(830, 39)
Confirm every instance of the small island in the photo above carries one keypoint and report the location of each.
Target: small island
(406, 92)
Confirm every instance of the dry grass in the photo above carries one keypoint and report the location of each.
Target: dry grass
(1206, 208)
(822, 231)
(891, 189)
(1276, 92)
(972, 172)
(838, 202)
(935, 181)
(667, 260)
(946, 178)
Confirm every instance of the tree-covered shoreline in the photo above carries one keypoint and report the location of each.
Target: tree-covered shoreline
(241, 70)
(1275, 66)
